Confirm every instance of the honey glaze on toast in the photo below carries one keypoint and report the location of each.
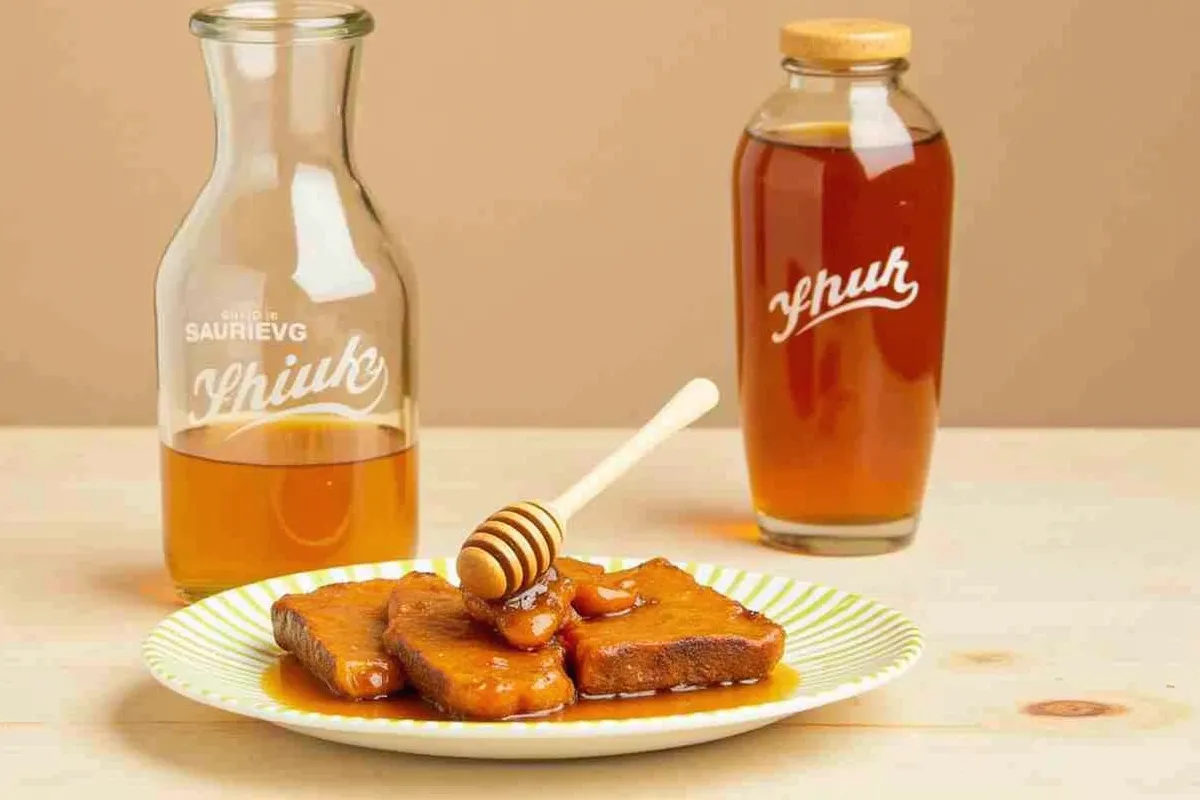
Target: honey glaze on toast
(289, 684)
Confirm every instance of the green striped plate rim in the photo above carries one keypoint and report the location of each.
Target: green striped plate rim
(216, 650)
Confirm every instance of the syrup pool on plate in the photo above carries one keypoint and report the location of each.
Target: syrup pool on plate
(289, 684)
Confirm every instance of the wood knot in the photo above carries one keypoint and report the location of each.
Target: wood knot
(980, 660)
(1074, 708)
(988, 658)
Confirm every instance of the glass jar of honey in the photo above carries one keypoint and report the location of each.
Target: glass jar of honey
(842, 193)
(285, 320)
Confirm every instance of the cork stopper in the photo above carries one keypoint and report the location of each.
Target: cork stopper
(845, 41)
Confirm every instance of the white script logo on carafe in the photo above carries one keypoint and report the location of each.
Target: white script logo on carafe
(243, 386)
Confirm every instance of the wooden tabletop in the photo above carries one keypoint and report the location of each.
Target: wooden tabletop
(1050, 566)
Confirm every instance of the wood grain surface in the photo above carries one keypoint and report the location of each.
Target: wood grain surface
(1055, 574)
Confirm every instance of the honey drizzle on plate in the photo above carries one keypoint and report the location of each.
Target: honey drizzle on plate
(289, 684)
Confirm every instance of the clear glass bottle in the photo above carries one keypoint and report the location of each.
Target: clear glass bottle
(286, 320)
(843, 191)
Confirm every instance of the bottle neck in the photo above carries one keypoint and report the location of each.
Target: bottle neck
(827, 77)
(282, 105)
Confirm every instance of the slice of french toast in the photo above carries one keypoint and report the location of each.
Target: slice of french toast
(335, 632)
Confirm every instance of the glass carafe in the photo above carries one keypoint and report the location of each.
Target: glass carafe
(285, 320)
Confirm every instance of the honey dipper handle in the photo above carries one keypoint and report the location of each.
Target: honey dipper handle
(693, 401)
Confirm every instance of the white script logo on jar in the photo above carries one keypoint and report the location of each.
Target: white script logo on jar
(243, 387)
(881, 285)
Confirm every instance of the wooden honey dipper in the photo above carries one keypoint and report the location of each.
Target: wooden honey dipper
(510, 550)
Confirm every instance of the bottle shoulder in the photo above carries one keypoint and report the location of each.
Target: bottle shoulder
(315, 227)
(844, 113)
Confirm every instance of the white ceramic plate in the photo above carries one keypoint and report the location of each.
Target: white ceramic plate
(217, 650)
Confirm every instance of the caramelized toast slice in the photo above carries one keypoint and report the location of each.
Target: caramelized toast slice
(532, 618)
(335, 633)
(683, 634)
(463, 667)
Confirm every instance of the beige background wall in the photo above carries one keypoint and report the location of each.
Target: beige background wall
(535, 152)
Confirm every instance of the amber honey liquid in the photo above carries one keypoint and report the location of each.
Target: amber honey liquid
(290, 684)
(839, 415)
(294, 495)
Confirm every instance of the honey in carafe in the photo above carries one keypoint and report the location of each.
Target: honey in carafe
(842, 189)
(282, 497)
